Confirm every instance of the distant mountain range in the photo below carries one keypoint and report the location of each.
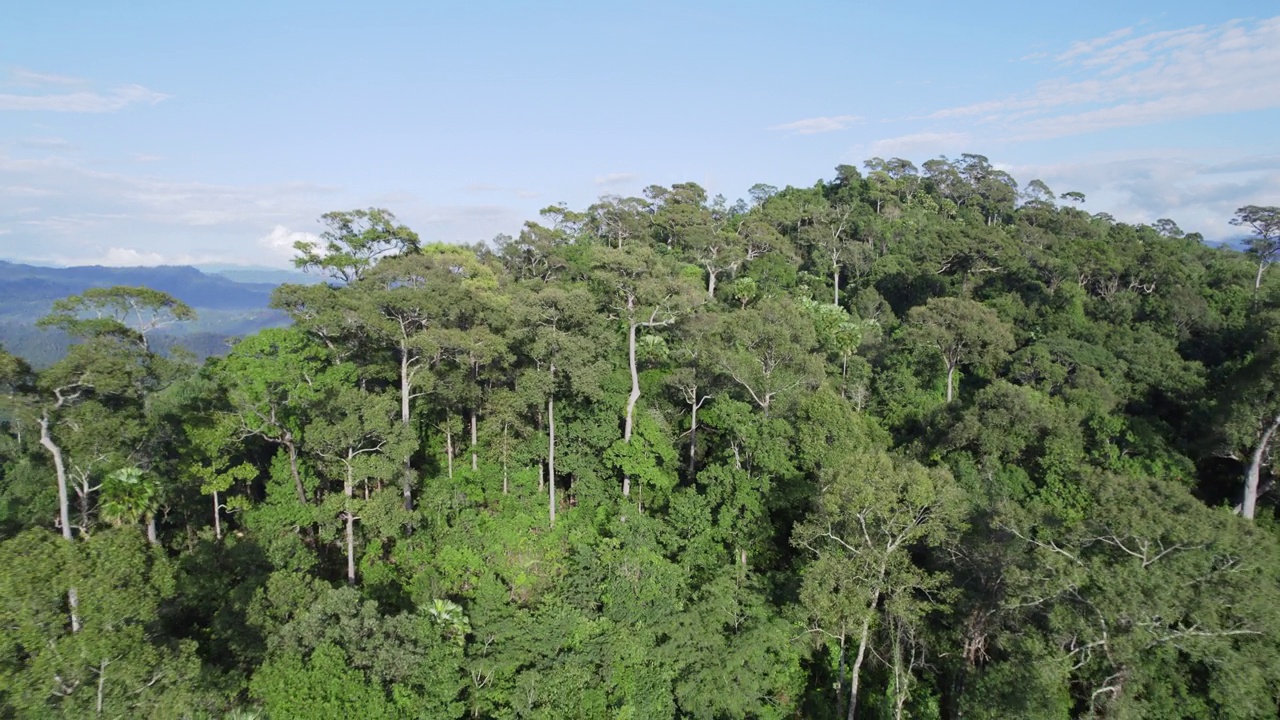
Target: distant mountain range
(230, 302)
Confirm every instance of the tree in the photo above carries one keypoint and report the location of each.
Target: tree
(964, 332)
(130, 313)
(648, 293)
(1265, 242)
(354, 242)
(872, 515)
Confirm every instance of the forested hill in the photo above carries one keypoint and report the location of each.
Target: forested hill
(224, 306)
(913, 442)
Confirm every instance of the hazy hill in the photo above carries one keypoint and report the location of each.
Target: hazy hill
(226, 307)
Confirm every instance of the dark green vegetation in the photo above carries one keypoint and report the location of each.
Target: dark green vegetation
(903, 444)
(226, 308)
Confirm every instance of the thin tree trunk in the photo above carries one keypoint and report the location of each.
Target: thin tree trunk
(693, 432)
(64, 510)
(217, 520)
(835, 283)
(951, 374)
(151, 529)
(102, 679)
(551, 455)
(856, 667)
(504, 458)
(60, 470)
(293, 468)
(711, 284)
(474, 461)
(404, 385)
(1252, 476)
(840, 678)
(631, 399)
(405, 390)
(349, 490)
(448, 450)
(1257, 280)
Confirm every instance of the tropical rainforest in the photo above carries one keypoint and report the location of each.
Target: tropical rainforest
(908, 443)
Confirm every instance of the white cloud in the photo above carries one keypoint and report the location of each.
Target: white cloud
(1122, 80)
(615, 179)
(29, 78)
(919, 145)
(79, 101)
(279, 242)
(70, 213)
(813, 126)
(479, 188)
(129, 257)
(1200, 193)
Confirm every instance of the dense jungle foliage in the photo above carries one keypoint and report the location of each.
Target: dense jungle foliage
(908, 443)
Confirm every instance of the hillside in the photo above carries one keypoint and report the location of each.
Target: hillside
(226, 307)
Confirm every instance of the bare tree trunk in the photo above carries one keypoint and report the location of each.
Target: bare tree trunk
(405, 390)
(102, 679)
(551, 455)
(474, 461)
(151, 529)
(293, 467)
(840, 678)
(64, 510)
(631, 399)
(217, 520)
(951, 374)
(835, 283)
(856, 667)
(711, 284)
(349, 490)
(404, 385)
(448, 450)
(1252, 476)
(1257, 280)
(60, 470)
(693, 432)
(899, 678)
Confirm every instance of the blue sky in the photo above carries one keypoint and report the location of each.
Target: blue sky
(161, 132)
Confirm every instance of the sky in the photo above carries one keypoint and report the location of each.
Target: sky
(146, 132)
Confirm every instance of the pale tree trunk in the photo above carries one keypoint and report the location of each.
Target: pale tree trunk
(1254, 473)
(102, 679)
(900, 679)
(856, 667)
(504, 459)
(1257, 280)
(951, 374)
(835, 283)
(474, 461)
(711, 284)
(151, 529)
(551, 455)
(840, 678)
(693, 430)
(349, 489)
(448, 449)
(217, 520)
(631, 399)
(293, 467)
(405, 390)
(60, 470)
(64, 510)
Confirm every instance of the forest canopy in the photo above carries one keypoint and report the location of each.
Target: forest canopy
(911, 442)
